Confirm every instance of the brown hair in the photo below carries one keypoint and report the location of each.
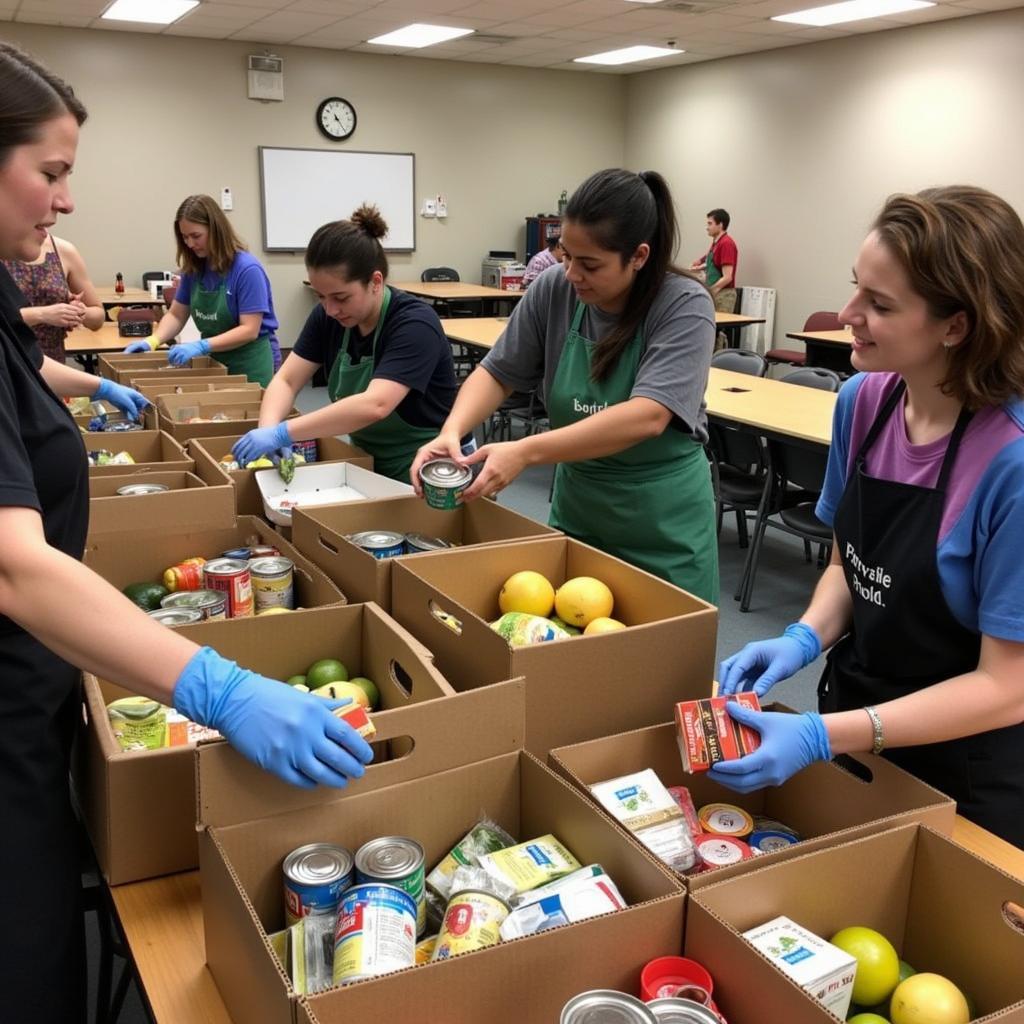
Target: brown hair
(351, 246)
(224, 244)
(963, 250)
(30, 95)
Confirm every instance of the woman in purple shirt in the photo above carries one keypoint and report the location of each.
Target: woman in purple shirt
(923, 603)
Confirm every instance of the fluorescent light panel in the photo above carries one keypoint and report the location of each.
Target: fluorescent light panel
(419, 35)
(152, 12)
(629, 55)
(851, 10)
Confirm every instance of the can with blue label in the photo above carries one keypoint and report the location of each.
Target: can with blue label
(769, 840)
(380, 543)
(376, 933)
(315, 876)
(399, 861)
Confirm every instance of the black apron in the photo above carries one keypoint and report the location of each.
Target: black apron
(904, 637)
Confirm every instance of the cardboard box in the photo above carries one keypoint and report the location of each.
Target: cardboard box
(321, 534)
(139, 807)
(434, 794)
(189, 503)
(945, 910)
(208, 451)
(153, 389)
(242, 414)
(131, 557)
(151, 450)
(180, 375)
(579, 688)
(826, 804)
(118, 366)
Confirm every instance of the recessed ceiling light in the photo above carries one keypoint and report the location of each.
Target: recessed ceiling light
(629, 55)
(153, 12)
(415, 36)
(643, 1)
(851, 10)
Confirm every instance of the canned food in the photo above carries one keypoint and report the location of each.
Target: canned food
(315, 876)
(136, 489)
(231, 576)
(682, 1011)
(769, 841)
(444, 480)
(121, 427)
(243, 553)
(380, 543)
(211, 604)
(472, 921)
(376, 933)
(603, 1006)
(186, 575)
(263, 551)
(273, 582)
(307, 449)
(718, 851)
(177, 616)
(725, 820)
(395, 860)
(418, 542)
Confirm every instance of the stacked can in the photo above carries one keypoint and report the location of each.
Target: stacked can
(376, 932)
(232, 577)
(397, 861)
(210, 604)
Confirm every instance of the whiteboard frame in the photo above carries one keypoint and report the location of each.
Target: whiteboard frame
(334, 152)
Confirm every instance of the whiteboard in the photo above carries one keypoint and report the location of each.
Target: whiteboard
(304, 188)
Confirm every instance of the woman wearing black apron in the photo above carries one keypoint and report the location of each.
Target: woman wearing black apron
(924, 600)
(56, 616)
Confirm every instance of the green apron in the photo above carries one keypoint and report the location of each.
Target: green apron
(650, 505)
(392, 442)
(209, 309)
(711, 272)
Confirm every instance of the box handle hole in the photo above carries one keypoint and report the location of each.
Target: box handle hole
(401, 678)
(325, 543)
(445, 618)
(852, 766)
(1013, 915)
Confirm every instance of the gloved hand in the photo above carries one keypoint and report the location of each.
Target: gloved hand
(179, 355)
(135, 347)
(275, 441)
(789, 743)
(762, 664)
(292, 734)
(128, 400)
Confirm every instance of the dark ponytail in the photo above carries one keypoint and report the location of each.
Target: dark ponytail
(352, 246)
(622, 210)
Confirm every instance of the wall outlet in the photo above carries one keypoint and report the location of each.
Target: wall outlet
(442, 206)
(226, 202)
(429, 208)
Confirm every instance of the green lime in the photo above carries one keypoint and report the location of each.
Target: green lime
(369, 687)
(146, 595)
(327, 670)
(296, 680)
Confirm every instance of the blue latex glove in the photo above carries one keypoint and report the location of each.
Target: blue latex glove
(762, 664)
(138, 346)
(284, 731)
(128, 400)
(273, 441)
(789, 743)
(180, 355)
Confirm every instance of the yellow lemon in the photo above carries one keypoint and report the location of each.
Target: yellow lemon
(276, 610)
(603, 625)
(582, 599)
(527, 592)
(928, 999)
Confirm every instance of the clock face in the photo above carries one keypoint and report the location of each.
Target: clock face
(336, 118)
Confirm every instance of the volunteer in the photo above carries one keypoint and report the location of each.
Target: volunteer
(59, 294)
(391, 379)
(923, 603)
(57, 617)
(619, 342)
(225, 290)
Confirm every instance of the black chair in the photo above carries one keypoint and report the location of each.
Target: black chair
(797, 474)
(524, 407)
(152, 275)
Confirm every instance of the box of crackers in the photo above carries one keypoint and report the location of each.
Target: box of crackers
(708, 735)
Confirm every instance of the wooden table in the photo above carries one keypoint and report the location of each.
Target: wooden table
(460, 291)
(85, 345)
(163, 923)
(730, 324)
(829, 349)
(129, 297)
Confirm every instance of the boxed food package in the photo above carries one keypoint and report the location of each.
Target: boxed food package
(149, 449)
(708, 734)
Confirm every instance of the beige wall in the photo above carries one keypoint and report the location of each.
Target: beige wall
(169, 117)
(801, 145)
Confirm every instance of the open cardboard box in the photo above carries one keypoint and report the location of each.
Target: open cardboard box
(579, 688)
(188, 503)
(434, 794)
(321, 534)
(826, 803)
(118, 366)
(242, 414)
(208, 451)
(945, 910)
(154, 389)
(151, 449)
(139, 806)
(133, 557)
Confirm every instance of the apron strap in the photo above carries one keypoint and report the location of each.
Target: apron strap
(881, 419)
(951, 449)
(577, 316)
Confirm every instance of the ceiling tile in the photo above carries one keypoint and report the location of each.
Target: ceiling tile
(51, 18)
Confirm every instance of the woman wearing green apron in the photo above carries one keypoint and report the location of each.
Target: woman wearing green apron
(390, 378)
(619, 342)
(225, 290)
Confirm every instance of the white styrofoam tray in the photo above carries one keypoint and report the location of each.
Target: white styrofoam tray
(328, 483)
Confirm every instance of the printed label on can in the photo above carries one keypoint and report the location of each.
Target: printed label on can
(232, 577)
(273, 583)
(444, 481)
(376, 933)
(472, 921)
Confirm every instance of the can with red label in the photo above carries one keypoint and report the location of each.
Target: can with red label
(472, 921)
(232, 577)
(720, 851)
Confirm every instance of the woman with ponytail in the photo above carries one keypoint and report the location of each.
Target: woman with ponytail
(619, 341)
(390, 373)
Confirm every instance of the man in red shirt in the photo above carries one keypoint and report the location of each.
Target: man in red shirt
(719, 263)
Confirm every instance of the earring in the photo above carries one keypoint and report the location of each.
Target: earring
(947, 344)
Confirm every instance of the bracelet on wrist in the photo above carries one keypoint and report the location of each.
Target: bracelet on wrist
(877, 733)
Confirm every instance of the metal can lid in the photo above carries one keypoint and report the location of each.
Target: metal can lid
(725, 820)
(177, 616)
(317, 864)
(242, 553)
(765, 824)
(389, 857)
(225, 566)
(604, 1006)
(142, 489)
(193, 599)
(769, 840)
(445, 473)
(271, 565)
(681, 1011)
(424, 543)
(717, 851)
(377, 539)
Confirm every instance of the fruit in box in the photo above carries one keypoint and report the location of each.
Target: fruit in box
(580, 600)
(878, 965)
(527, 592)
